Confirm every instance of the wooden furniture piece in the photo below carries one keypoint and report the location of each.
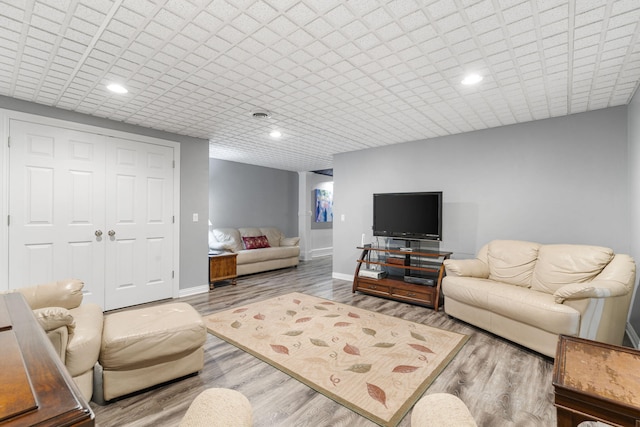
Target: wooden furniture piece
(222, 267)
(35, 387)
(594, 381)
(394, 286)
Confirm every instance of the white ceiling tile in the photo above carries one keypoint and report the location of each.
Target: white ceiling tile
(339, 74)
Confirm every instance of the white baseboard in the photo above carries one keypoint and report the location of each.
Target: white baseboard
(193, 291)
(633, 336)
(321, 252)
(342, 276)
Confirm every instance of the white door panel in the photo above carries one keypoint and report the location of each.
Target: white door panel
(140, 189)
(55, 174)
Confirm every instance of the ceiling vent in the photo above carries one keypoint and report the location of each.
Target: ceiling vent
(260, 114)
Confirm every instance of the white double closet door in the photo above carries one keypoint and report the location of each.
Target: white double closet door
(92, 207)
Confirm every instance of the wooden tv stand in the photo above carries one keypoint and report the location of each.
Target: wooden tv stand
(394, 286)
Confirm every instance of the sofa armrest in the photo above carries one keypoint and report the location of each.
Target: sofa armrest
(289, 241)
(63, 293)
(594, 289)
(51, 318)
(467, 268)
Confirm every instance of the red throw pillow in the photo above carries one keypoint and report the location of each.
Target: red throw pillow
(256, 242)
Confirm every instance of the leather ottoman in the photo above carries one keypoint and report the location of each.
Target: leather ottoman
(148, 346)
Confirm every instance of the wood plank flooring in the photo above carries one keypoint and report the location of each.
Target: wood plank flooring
(502, 384)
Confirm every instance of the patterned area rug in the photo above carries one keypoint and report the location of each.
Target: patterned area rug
(374, 364)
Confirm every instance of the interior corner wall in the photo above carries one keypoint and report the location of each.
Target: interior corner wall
(242, 195)
(559, 180)
(194, 154)
(633, 130)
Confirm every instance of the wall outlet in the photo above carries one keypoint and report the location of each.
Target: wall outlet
(195, 217)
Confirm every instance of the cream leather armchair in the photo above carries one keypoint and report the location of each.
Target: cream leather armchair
(75, 329)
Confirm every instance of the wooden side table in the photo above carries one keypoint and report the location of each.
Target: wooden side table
(594, 381)
(222, 267)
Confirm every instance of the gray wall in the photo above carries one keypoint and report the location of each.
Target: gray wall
(560, 180)
(242, 195)
(194, 153)
(633, 126)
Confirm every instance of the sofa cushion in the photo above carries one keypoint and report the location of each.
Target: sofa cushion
(228, 239)
(266, 254)
(559, 265)
(257, 242)
(512, 261)
(250, 232)
(534, 308)
(274, 235)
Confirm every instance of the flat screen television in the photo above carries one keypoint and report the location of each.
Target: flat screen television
(409, 216)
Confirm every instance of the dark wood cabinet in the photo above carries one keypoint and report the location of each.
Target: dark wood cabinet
(399, 267)
(222, 267)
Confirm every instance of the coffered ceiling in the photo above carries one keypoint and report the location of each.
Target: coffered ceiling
(335, 76)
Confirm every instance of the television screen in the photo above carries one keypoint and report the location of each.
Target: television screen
(408, 215)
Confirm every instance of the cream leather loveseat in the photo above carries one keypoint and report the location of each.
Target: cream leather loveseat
(531, 293)
(281, 251)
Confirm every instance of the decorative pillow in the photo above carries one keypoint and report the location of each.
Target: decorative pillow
(256, 242)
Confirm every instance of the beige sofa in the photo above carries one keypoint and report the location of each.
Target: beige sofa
(530, 293)
(282, 251)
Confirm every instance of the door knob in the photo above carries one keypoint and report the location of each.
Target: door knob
(111, 233)
(98, 233)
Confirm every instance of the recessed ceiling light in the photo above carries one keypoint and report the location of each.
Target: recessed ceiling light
(472, 79)
(275, 134)
(116, 88)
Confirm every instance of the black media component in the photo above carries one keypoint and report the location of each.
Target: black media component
(409, 216)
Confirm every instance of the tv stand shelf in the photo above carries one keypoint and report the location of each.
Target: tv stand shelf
(429, 263)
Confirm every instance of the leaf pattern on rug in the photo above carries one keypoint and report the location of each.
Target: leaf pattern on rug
(319, 307)
(236, 325)
(354, 315)
(291, 313)
(280, 349)
(369, 331)
(405, 369)
(377, 394)
(303, 319)
(418, 336)
(351, 349)
(421, 348)
(341, 324)
(241, 310)
(360, 368)
(384, 344)
(259, 316)
(293, 333)
(319, 343)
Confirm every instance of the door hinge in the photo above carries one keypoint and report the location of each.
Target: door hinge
(173, 219)
(9, 141)
(174, 164)
(8, 220)
(173, 274)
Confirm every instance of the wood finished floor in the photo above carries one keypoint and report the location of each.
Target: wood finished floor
(502, 384)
